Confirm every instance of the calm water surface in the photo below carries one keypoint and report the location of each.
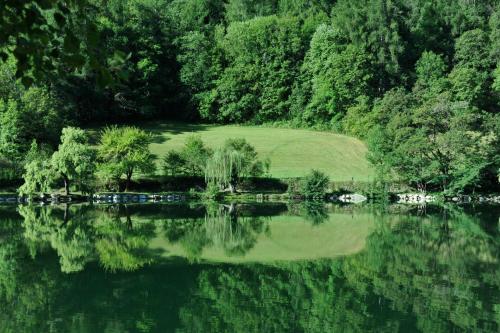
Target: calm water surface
(249, 268)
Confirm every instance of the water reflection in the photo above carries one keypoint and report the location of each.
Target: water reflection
(81, 234)
(94, 269)
(222, 227)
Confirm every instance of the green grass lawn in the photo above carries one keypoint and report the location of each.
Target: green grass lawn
(293, 152)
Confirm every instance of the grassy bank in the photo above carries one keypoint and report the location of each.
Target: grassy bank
(292, 152)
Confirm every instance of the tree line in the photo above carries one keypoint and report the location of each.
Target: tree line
(123, 152)
(418, 80)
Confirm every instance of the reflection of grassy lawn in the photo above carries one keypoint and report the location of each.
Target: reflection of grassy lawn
(292, 152)
(291, 238)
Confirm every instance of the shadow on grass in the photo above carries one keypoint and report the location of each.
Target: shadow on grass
(162, 131)
(159, 129)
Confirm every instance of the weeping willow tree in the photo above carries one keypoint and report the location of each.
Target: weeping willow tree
(224, 168)
(236, 159)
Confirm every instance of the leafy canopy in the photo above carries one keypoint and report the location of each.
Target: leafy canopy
(75, 159)
(124, 151)
(230, 163)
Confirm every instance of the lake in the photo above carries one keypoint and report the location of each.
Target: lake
(263, 267)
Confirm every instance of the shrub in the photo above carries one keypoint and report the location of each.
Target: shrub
(191, 160)
(195, 154)
(173, 163)
(314, 185)
(212, 192)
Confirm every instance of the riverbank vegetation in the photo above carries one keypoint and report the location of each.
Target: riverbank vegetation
(418, 81)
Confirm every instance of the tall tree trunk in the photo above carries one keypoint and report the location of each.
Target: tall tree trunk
(66, 184)
(233, 182)
(129, 177)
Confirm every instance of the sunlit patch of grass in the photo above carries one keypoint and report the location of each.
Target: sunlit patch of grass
(292, 152)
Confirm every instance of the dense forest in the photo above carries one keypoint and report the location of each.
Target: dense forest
(418, 80)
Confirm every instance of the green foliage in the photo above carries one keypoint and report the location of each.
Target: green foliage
(139, 31)
(357, 121)
(190, 160)
(334, 75)
(471, 50)
(242, 10)
(37, 174)
(232, 162)
(376, 25)
(252, 167)
(438, 144)
(74, 160)
(262, 57)
(468, 84)
(223, 168)
(431, 75)
(200, 65)
(314, 185)
(195, 15)
(173, 163)
(124, 151)
(195, 154)
(50, 38)
(496, 75)
(26, 114)
(337, 65)
(212, 192)
(436, 137)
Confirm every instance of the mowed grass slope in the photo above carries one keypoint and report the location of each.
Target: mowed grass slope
(293, 152)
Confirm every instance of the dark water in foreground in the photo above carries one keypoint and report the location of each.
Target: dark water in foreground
(249, 268)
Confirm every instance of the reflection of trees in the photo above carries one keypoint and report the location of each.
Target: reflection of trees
(79, 234)
(223, 227)
(300, 297)
(235, 234)
(10, 244)
(436, 273)
(70, 237)
(436, 269)
(24, 290)
(121, 244)
(432, 273)
(314, 211)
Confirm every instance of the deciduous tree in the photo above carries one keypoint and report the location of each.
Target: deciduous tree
(74, 160)
(124, 151)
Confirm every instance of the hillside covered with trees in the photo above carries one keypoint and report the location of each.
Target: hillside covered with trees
(417, 80)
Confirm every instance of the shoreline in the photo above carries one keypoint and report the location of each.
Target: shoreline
(162, 197)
